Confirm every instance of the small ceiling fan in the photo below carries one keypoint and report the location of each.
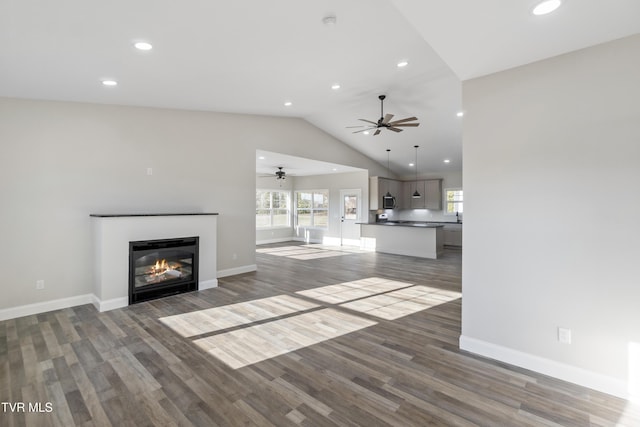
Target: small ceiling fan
(384, 122)
(280, 174)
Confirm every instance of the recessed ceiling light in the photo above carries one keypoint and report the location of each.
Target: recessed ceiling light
(334, 169)
(546, 6)
(460, 114)
(288, 104)
(110, 83)
(411, 164)
(366, 132)
(447, 161)
(402, 64)
(335, 86)
(261, 158)
(143, 46)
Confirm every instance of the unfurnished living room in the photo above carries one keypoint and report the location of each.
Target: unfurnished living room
(443, 229)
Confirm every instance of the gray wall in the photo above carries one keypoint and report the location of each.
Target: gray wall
(551, 170)
(62, 161)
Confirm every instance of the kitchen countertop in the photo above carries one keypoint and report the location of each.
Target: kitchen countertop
(422, 224)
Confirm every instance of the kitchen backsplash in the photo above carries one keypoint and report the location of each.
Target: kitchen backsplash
(419, 215)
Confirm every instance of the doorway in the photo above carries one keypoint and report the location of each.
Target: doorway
(350, 216)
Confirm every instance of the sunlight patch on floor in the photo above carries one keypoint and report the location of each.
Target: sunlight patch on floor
(254, 344)
(228, 316)
(347, 291)
(397, 304)
(383, 298)
(302, 323)
(307, 252)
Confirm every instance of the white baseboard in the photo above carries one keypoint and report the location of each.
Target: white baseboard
(549, 367)
(43, 307)
(58, 304)
(110, 304)
(207, 284)
(237, 270)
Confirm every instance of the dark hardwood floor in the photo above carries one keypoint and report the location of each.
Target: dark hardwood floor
(375, 352)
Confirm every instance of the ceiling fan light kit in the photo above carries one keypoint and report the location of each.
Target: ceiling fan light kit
(384, 122)
(280, 174)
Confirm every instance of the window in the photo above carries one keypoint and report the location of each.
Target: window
(272, 209)
(312, 208)
(453, 200)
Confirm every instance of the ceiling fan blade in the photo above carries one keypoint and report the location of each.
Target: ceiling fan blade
(376, 132)
(369, 121)
(394, 129)
(409, 119)
(359, 126)
(387, 118)
(363, 130)
(402, 125)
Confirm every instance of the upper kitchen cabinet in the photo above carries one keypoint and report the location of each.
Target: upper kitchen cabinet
(378, 187)
(430, 191)
(395, 188)
(416, 202)
(433, 193)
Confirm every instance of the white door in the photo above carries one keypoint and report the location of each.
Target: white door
(350, 216)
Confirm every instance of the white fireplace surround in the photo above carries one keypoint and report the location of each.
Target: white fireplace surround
(111, 237)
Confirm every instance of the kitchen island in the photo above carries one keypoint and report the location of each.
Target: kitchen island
(410, 238)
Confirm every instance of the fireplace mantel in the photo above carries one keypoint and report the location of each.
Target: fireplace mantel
(113, 232)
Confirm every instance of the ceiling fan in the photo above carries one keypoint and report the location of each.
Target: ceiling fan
(280, 174)
(384, 122)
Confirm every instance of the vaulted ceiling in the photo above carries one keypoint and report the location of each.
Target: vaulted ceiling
(253, 56)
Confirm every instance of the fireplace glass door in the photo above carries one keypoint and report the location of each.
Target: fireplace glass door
(159, 268)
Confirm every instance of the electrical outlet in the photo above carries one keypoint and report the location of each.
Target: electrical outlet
(564, 335)
(149, 171)
(39, 284)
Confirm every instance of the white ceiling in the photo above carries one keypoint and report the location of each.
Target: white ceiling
(251, 56)
(267, 163)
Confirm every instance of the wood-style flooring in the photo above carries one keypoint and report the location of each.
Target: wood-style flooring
(315, 337)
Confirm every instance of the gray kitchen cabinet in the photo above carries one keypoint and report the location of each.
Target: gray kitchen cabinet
(395, 188)
(378, 187)
(433, 194)
(417, 202)
(405, 195)
(430, 193)
(452, 234)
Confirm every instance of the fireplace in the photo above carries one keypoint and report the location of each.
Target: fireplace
(159, 268)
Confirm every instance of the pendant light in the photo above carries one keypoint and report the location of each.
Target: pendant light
(415, 194)
(388, 194)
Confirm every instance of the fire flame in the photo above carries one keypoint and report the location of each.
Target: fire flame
(163, 267)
